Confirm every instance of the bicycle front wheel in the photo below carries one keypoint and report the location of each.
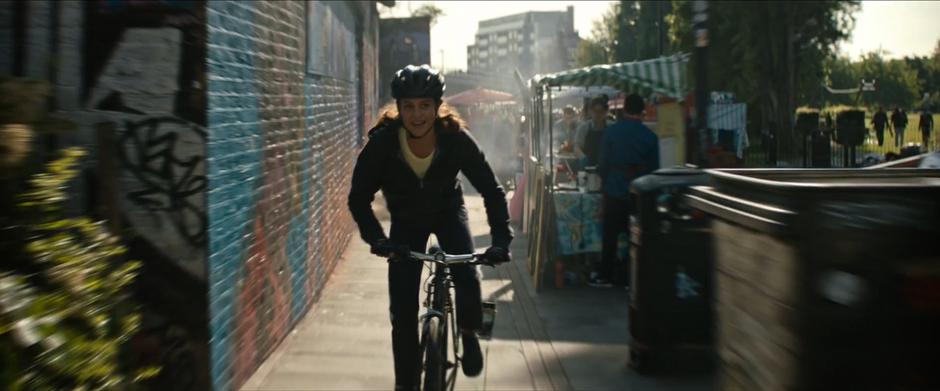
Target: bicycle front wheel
(435, 354)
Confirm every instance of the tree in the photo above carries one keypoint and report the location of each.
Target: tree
(840, 74)
(770, 53)
(604, 34)
(429, 10)
(896, 83)
(591, 52)
(928, 78)
(628, 31)
(642, 30)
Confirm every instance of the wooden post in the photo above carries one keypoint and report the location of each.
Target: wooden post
(107, 173)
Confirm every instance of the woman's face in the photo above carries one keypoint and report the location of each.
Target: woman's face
(418, 114)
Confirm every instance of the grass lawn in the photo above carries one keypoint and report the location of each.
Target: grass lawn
(911, 135)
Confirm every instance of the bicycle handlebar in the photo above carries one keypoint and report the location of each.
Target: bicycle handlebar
(448, 259)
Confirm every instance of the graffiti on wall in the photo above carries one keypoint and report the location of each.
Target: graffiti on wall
(143, 74)
(286, 193)
(164, 155)
(267, 293)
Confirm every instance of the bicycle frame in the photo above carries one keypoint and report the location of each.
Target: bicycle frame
(438, 303)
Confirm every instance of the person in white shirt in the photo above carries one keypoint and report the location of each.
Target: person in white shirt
(591, 132)
(566, 128)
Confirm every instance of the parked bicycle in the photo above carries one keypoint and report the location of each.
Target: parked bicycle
(440, 344)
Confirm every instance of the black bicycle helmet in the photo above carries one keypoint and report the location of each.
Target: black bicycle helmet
(418, 82)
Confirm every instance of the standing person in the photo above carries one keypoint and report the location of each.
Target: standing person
(566, 128)
(629, 151)
(879, 121)
(591, 132)
(899, 122)
(413, 155)
(926, 126)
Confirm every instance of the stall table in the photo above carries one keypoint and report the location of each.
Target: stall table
(578, 233)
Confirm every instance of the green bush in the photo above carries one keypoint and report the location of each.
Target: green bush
(65, 306)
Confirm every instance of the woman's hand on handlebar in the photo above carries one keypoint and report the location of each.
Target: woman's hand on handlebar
(387, 249)
(496, 255)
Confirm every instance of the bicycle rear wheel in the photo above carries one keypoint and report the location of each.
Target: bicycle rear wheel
(435, 354)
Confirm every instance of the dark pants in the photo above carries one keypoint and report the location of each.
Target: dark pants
(925, 138)
(616, 215)
(404, 281)
(880, 133)
(898, 136)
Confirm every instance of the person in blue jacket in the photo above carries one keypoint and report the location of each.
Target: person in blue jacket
(629, 151)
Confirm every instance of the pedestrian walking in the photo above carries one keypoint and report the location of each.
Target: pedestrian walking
(926, 127)
(629, 151)
(879, 121)
(899, 122)
(413, 155)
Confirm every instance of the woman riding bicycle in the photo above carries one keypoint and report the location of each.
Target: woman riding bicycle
(413, 155)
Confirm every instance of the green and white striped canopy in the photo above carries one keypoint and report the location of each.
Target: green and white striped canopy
(664, 75)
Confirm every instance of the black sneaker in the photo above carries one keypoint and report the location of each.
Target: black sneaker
(472, 361)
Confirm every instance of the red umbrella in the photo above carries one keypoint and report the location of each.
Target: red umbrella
(478, 95)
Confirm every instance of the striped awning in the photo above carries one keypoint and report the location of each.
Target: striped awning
(664, 75)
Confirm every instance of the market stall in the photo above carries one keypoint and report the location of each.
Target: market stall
(561, 213)
(727, 121)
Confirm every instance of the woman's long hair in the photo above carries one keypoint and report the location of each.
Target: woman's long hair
(447, 118)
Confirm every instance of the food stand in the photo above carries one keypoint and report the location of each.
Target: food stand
(561, 218)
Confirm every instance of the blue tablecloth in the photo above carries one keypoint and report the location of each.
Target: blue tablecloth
(578, 219)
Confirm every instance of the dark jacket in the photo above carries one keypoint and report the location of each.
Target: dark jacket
(381, 166)
(629, 151)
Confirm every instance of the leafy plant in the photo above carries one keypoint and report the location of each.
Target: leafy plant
(65, 308)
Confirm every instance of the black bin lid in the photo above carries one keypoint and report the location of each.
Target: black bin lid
(679, 170)
(771, 200)
(681, 176)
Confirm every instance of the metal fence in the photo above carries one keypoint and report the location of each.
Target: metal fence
(824, 152)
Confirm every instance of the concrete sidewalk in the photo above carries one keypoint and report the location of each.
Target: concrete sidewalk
(557, 340)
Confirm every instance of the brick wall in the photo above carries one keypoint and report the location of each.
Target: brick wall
(218, 156)
(130, 77)
(281, 147)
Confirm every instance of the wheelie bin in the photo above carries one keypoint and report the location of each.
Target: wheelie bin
(825, 279)
(670, 312)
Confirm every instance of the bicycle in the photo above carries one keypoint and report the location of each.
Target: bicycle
(438, 323)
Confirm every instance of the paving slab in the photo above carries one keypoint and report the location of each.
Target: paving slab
(567, 339)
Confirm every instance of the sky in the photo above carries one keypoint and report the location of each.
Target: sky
(900, 27)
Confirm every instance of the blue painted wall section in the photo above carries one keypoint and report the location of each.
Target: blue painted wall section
(234, 162)
(281, 145)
